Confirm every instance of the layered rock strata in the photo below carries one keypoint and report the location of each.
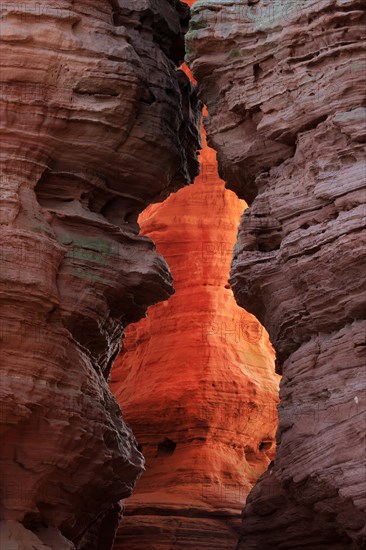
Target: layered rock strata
(284, 84)
(196, 381)
(97, 123)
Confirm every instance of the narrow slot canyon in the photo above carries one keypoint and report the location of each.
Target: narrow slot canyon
(182, 291)
(196, 380)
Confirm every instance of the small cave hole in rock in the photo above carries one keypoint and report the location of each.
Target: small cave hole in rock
(265, 446)
(166, 447)
(257, 71)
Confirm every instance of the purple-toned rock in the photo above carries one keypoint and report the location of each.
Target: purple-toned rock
(284, 84)
(97, 122)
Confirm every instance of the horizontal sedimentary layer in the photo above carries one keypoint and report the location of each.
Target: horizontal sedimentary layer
(97, 123)
(284, 84)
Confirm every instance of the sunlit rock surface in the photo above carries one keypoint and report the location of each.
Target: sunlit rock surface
(196, 381)
(284, 83)
(96, 123)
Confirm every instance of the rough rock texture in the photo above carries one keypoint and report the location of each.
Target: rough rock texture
(284, 84)
(96, 123)
(196, 381)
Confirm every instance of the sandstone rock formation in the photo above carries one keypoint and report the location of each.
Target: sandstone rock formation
(196, 381)
(97, 123)
(284, 84)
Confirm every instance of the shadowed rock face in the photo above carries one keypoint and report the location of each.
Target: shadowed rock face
(97, 123)
(196, 381)
(284, 84)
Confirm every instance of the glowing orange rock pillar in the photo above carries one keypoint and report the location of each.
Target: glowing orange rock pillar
(196, 381)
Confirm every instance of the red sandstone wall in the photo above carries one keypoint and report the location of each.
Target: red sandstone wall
(196, 381)
(96, 121)
(284, 83)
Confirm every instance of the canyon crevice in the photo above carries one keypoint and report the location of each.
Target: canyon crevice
(97, 122)
(196, 381)
(284, 86)
(100, 128)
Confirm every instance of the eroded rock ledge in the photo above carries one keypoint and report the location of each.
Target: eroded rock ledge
(284, 84)
(98, 123)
